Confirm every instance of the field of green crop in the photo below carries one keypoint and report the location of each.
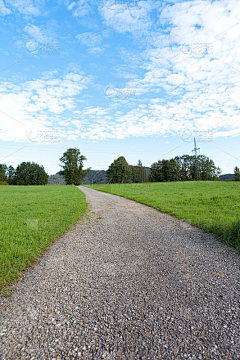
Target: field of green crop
(211, 205)
(31, 218)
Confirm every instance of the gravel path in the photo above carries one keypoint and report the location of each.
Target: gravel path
(134, 284)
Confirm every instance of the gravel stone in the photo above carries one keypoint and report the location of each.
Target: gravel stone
(134, 284)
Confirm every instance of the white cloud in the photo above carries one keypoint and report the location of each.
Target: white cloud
(129, 17)
(229, 133)
(71, 5)
(89, 39)
(3, 9)
(36, 33)
(79, 8)
(92, 41)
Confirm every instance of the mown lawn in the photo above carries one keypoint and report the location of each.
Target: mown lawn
(31, 218)
(211, 205)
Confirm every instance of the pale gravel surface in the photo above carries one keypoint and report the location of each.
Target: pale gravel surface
(138, 284)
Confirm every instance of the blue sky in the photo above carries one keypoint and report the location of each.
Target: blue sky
(134, 78)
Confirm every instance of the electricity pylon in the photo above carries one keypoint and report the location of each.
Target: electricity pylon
(195, 150)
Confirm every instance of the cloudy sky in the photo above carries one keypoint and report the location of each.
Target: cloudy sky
(119, 77)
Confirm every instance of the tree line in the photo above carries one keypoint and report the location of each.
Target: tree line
(27, 173)
(180, 168)
(184, 168)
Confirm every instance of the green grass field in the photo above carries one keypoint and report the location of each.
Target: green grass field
(211, 205)
(31, 218)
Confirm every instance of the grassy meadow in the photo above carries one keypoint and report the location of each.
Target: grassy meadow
(31, 218)
(213, 206)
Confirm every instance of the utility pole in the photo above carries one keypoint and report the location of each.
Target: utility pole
(195, 150)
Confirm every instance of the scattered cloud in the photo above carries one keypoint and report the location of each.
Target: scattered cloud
(3, 9)
(37, 103)
(127, 17)
(79, 8)
(36, 33)
(25, 7)
(92, 41)
(182, 59)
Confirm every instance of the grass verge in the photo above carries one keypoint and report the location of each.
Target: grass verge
(31, 218)
(212, 206)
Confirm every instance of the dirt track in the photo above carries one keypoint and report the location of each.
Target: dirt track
(133, 284)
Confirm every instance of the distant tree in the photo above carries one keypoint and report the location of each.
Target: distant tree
(30, 173)
(118, 171)
(142, 172)
(10, 177)
(184, 163)
(208, 170)
(165, 170)
(134, 174)
(195, 168)
(3, 169)
(236, 174)
(73, 172)
(156, 172)
(138, 173)
(173, 171)
(111, 174)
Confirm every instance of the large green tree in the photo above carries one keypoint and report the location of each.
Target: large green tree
(208, 170)
(72, 168)
(118, 171)
(30, 173)
(10, 172)
(236, 174)
(3, 169)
